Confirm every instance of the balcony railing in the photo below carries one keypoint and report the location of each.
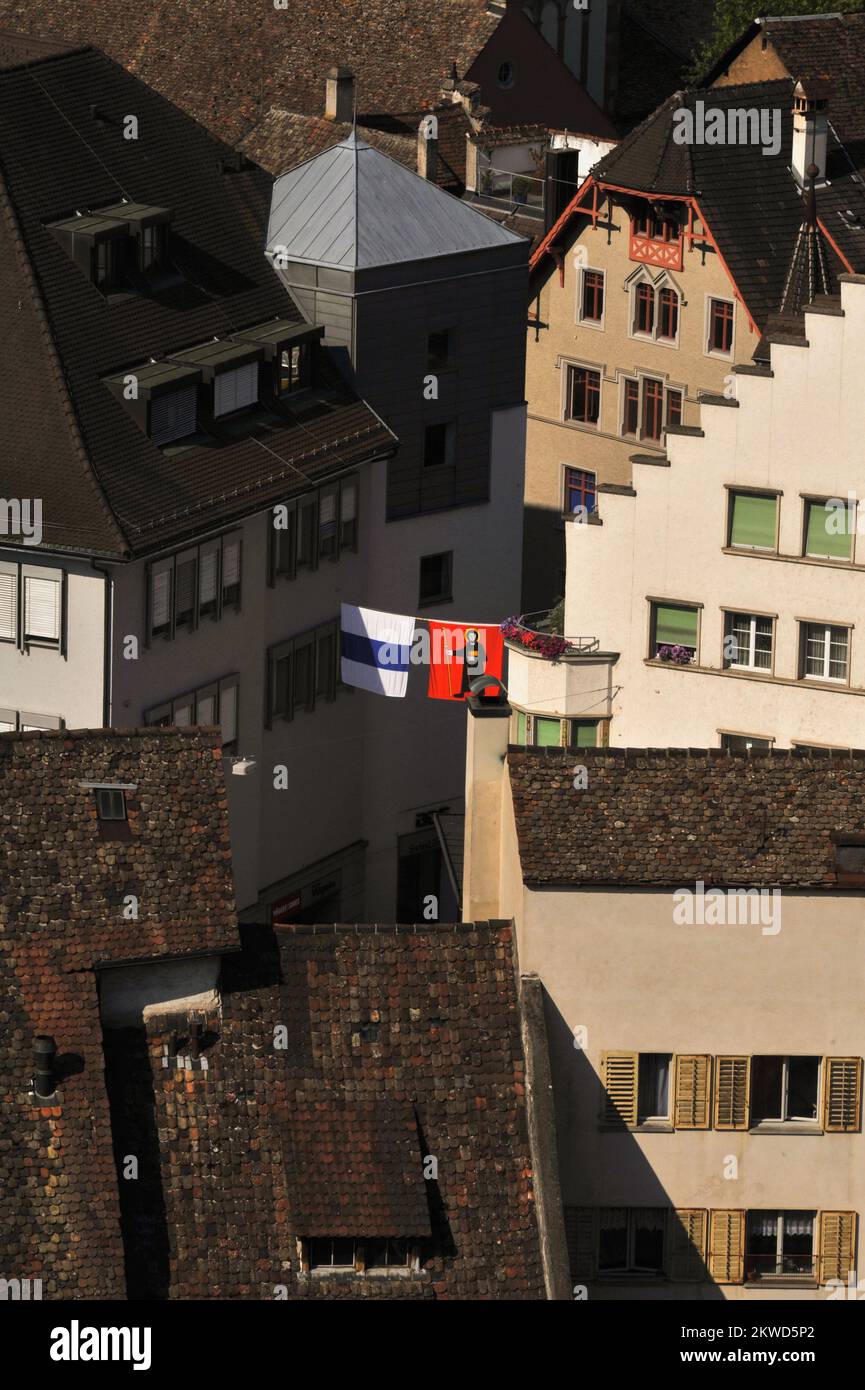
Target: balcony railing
(535, 632)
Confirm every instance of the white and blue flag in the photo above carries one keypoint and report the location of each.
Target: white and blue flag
(375, 649)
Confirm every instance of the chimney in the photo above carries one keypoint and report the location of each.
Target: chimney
(486, 776)
(428, 148)
(810, 129)
(339, 95)
(44, 1052)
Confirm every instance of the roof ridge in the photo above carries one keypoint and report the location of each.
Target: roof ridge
(54, 362)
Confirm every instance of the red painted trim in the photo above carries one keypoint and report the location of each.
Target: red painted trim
(836, 248)
(650, 197)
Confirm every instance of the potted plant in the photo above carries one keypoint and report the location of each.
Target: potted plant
(520, 189)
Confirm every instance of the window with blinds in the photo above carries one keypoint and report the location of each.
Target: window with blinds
(674, 632)
(42, 610)
(174, 415)
(235, 390)
(753, 520)
(9, 605)
(214, 704)
(302, 672)
(195, 584)
(320, 525)
(828, 534)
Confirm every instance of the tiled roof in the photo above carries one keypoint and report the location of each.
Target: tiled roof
(394, 1044)
(106, 487)
(283, 139)
(63, 911)
(751, 202)
(226, 64)
(669, 817)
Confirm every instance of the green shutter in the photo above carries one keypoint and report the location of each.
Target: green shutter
(521, 728)
(584, 733)
(548, 733)
(675, 626)
(753, 520)
(822, 536)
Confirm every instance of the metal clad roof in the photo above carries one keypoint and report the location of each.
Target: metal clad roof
(355, 208)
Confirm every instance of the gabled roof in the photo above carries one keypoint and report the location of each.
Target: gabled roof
(106, 488)
(355, 208)
(663, 817)
(227, 64)
(827, 45)
(751, 202)
(65, 910)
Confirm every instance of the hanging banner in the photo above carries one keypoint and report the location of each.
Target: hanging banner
(375, 649)
(458, 654)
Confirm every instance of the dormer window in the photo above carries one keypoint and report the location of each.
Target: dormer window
(289, 351)
(110, 244)
(106, 264)
(235, 390)
(229, 373)
(151, 248)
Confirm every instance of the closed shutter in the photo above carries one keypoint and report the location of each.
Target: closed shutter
(42, 608)
(822, 535)
(726, 1261)
(691, 1109)
(842, 1094)
(235, 389)
(228, 712)
(753, 521)
(732, 1092)
(619, 1076)
(8, 606)
(837, 1245)
(205, 708)
(675, 626)
(208, 575)
(687, 1245)
(182, 711)
(173, 416)
(160, 617)
(184, 589)
(581, 1234)
(231, 571)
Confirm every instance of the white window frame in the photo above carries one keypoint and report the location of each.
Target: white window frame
(656, 1119)
(828, 629)
(630, 1267)
(752, 620)
(29, 573)
(779, 1214)
(784, 1118)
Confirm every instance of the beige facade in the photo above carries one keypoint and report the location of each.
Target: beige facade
(664, 369)
(778, 654)
(727, 1006)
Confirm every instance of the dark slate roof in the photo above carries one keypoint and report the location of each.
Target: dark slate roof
(670, 817)
(752, 203)
(399, 1042)
(226, 64)
(106, 488)
(60, 916)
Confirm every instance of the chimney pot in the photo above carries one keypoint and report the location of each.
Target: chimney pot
(427, 148)
(339, 95)
(810, 131)
(44, 1052)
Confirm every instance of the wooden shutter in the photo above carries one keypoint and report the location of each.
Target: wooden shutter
(693, 1078)
(8, 605)
(732, 1092)
(42, 608)
(581, 1234)
(842, 1094)
(726, 1261)
(686, 1245)
(837, 1245)
(619, 1076)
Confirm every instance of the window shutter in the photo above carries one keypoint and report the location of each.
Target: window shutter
(161, 600)
(228, 712)
(235, 389)
(842, 1093)
(687, 1245)
(726, 1261)
(581, 1229)
(231, 569)
(42, 608)
(8, 606)
(822, 536)
(693, 1075)
(753, 521)
(205, 707)
(182, 710)
(207, 578)
(173, 416)
(619, 1076)
(675, 626)
(732, 1092)
(837, 1245)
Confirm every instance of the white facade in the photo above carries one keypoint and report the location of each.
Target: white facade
(794, 435)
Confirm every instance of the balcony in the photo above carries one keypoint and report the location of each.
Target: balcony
(555, 675)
